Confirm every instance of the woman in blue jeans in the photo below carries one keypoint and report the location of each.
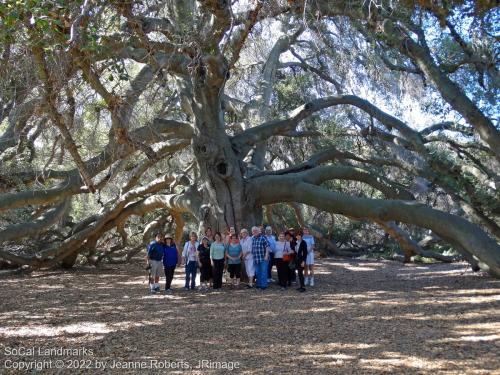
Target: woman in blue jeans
(190, 259)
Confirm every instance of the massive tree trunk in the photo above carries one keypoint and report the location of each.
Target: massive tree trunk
(193, 47)
(221, 169)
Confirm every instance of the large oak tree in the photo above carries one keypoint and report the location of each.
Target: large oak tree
(172, 84)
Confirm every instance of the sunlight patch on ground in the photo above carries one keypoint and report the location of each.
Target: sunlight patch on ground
(133, 281)
(323, 309)
(358, 268)
(160, 296)
(384, 364)
(47, 331)
(334, 346)
(468, 338)
(336, 356)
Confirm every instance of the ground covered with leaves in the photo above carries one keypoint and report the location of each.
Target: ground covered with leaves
(362, 317)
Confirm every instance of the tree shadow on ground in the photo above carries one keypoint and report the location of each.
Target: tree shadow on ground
(362, 317)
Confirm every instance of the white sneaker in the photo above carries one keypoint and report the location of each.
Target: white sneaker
(306, 281)
(311, 281)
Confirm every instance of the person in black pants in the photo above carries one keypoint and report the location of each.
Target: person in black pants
(290, 250)
(301, 255)
(204, 262)
(293, 244)
(281, 265)
(217, 254)
(170, 260)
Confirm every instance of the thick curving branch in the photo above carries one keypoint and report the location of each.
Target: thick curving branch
(244, 141)
(18, 118)
(327, 154)
(56, 117)
(451, 228)
(380, 17)
(72, 184)
(410, 247)
(49, 218)
(324, 173)
(450, 91)
(237, 41)
(447, 125)
(320, 174)
(260, 109)
(186, 201)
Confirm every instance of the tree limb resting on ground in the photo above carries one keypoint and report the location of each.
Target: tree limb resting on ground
(453, 229)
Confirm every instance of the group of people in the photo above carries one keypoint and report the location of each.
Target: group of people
(255, 255)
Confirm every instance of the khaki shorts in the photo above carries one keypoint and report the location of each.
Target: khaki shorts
(156, 268)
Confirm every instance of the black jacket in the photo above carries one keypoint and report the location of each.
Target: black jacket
(301, 250)
(204, 253)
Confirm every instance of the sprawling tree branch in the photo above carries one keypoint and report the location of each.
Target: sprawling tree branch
(72, 183)
(449, 227)
(47, 219)
(245, 140)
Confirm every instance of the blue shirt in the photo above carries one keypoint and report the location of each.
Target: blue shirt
(310, 242)
(259, 244)
(155, 250)
(272, 242)
(170, 255)
(234, 251)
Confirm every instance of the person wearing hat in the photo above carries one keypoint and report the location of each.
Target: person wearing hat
(170, 260)
(204, 262)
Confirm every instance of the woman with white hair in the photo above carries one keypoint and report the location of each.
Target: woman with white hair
(246, 246)
(260, 254)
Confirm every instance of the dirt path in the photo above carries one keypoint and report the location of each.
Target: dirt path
(363, 317)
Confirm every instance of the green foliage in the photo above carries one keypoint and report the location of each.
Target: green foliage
(47, 20)
(292, 91)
